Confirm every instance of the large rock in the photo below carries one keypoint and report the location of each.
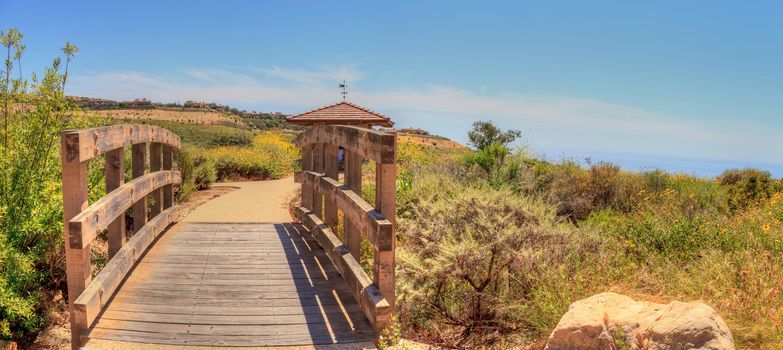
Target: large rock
(613, 321)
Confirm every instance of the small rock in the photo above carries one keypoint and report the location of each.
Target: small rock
(614, 321)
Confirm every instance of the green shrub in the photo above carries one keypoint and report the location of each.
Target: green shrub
(204, 175)
(472, 259)
(746, 186)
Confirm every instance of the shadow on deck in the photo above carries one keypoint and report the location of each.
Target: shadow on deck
(234, 284)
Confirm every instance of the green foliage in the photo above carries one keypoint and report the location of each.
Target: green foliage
(489, 158)
(746, 186)
(31, 247)
(205, 136)
(485, 133)
(473, 258)
(204, 175)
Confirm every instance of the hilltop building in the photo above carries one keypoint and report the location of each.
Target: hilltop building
(343, 113)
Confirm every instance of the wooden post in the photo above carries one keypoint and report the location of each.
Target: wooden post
(139, 156)
(386, 203)
(115, 177)
(331, 169)
(156, 163)
(78, 267)
(353, 179)
(168, 164)
(318, 167)
(307, 165)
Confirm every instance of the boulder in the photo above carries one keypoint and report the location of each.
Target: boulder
(613, 321)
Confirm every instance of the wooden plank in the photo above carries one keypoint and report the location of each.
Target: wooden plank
(156, 164)
(386, 202)
(283, 339)
(374, 305)
(353, 179)
(307, 165)
(318, 166)
(331, 169)
(376, 228)
(129, 296)
(375, 145)
(96, 141)
(168, 164)
(334, 315)
(101, 289)
(115, 177)
(139, 159)
(84, 227)
(317, 325)
(243, 310)
(78, 268)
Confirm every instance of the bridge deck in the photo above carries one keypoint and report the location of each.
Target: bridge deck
(234, 284)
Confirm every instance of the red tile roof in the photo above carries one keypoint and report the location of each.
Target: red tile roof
(344, 113)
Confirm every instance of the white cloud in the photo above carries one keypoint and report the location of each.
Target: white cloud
(327, 76)
(551, 123)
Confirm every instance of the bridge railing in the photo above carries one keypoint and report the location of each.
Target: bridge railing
(323, 195)
(82, 223)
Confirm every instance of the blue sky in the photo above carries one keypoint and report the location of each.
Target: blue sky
(692, 86)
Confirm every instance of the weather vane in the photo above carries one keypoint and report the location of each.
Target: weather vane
(344, 92)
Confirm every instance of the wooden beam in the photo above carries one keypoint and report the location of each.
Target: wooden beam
(102, 288)
(156, 163)
(386, 202)
(369, 221)
(318, 166)
(97, 141)
(353, 179)
(331, 169)
(78, 267)
(115, 177)
(307, 165)
(168, 164)
(85, 226)
(139, 156)
(373, 303)
(378, 146)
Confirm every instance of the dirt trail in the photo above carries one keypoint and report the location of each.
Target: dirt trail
(254, 201)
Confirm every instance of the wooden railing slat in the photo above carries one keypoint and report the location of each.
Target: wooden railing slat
(139, 159)
(115, 177)
(97, 141)
(156, 164)
(84, 227)
(368, 219)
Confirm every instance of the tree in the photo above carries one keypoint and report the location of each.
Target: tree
(485, 133)
(70, 51)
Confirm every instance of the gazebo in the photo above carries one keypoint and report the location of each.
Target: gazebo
(343, 113)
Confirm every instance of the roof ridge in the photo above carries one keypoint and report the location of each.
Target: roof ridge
(363, 109)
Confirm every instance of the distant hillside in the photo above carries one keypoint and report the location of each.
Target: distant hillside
(429, 140)
(193, 117)
(190, 112)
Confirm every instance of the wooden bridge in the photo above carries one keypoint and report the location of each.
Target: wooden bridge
(228, 283)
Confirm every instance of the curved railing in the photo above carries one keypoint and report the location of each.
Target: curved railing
(323, 195)
(82, 223)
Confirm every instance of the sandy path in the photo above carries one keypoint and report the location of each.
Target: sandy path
(254, 201)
